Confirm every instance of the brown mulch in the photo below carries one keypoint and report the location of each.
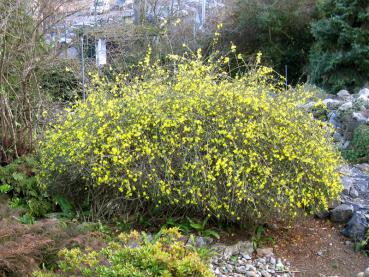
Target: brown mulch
(316, 248)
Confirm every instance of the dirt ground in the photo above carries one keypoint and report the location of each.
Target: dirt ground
(315, 248)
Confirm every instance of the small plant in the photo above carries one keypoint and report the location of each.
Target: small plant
(19, 182)
(5, 188)
(200, 228)
(183, 226)
(358, 151)
(133, 255)
(27, 219)
(259, 237)
(67, 209)
(363, 245)
(191, 225)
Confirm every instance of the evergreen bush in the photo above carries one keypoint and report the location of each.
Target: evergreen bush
(339, 57)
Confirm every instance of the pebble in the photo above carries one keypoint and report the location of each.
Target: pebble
(241, 269)
(265, 273)
(264, 252)
(242, 264)
(229, 267)
(279, 267)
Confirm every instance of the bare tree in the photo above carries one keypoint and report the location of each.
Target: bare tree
(23, 52)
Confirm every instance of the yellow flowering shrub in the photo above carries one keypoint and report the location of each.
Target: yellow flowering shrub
(135, 254)
(191, 137)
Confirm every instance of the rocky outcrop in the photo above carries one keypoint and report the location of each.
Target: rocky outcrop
(353, 207)
(346, 112)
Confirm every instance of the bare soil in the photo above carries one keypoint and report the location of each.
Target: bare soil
(315, 248)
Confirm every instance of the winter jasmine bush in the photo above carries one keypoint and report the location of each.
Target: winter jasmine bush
(188, 136)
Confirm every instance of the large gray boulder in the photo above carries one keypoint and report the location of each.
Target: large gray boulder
(345, 107)
(344, 95)
(342, 213)
(361, 117)
(364, 92)
(347, 183)
(332, 104)
(357, 227)
(334, 120)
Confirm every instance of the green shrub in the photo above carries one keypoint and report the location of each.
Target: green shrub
(19, 182)
(60, 81)
(339, 58)
(358, 151)
(135, 255)
(280, 29)
(193, 138)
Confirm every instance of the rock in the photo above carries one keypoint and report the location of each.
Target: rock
(364, 167)
(250, 268)
(347, 183)
(334, 120)
(241, 269)
(360, 117)
(229, 267)
(346, 106)
(354, 193)
(265, 273)
(338, 137)
(264, 252)
(202, 241)
(364, 92)
(366, 272)
(308, 106)
(241, 264)
(244, 247)
(342, 213)
(348, 243)
(362, 102)
(272, 226)
(332, 104)
(346, 145)
(322, 214)
(361, 274)
(357, 227)
(218, 273)
(279, 266)
(245, 256)
(344, 95)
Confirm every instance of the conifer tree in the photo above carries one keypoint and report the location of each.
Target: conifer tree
(340, 56)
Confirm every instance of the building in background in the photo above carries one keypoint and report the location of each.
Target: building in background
(81, 16)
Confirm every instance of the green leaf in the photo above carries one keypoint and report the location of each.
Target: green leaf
(211, 233)
(66, 207)
(5, 188)
(196, 226)
(27, 219)
(18, 176)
